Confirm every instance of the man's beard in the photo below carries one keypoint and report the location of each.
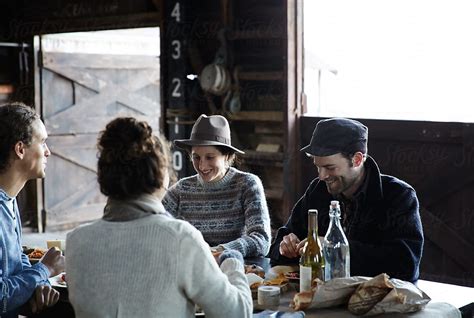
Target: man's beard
(339, 185)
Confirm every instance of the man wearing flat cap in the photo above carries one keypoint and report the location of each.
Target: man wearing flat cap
(380, 213)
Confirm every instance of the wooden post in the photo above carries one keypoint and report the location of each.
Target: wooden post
(174, 66)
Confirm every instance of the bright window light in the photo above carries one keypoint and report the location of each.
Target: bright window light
(410, 60)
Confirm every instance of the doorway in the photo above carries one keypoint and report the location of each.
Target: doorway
(83, 81)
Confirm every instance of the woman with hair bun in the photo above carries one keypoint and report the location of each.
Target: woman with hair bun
(138, 261)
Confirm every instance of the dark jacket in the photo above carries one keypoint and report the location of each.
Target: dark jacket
(383, 225)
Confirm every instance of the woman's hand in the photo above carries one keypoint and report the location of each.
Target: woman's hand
(230, 254)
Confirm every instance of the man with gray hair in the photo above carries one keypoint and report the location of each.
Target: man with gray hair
(23, 156)
(380, 213)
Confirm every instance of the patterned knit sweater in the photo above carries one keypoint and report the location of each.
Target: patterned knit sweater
(231, 212)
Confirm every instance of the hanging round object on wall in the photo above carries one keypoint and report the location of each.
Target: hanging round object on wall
(215, 79)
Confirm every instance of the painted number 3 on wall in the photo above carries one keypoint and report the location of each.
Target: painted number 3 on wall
(177, 49)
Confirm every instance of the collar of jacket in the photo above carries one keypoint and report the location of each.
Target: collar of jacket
(132, 209)
(373, 187)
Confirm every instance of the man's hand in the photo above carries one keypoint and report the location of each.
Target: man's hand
(289, 246)
(292, 247)
(54, 261)
(300, 246)
(44, 296)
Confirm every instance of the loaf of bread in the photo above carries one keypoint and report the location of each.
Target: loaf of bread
(369, 293)
(302, 300)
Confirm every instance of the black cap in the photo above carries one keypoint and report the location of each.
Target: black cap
(337, 135)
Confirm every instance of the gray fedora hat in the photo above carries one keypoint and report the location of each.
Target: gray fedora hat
(208, 131)
(337, 135)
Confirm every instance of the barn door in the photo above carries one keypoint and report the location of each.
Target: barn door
(80, 94)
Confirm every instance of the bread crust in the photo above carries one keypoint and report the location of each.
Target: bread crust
(368, 294)
(302, 300)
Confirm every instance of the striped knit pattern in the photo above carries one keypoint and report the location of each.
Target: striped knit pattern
(231, 212)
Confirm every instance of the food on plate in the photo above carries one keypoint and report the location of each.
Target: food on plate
(36, 253)
(27, 250)
(254, 280)
(58, 280)
(62, 279)
(275, 271)
(369, 293)
(302, 300)
(277, 281)
(255, 269)
(292, 275)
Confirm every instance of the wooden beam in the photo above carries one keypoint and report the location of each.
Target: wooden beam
(293, 108)
(56, 60)
(30, 27)
(256, 34)
(261, 76)
(257, 116)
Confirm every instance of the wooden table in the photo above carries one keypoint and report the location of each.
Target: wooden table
(460, 297)
(439, 306)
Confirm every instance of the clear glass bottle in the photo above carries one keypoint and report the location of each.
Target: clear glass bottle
(312, 260)
(336, 246)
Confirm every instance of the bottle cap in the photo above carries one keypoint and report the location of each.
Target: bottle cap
(334, 208)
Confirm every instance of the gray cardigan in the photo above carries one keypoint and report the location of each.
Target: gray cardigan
(152, 266)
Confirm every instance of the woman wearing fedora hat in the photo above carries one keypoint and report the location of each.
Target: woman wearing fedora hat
(227, 205)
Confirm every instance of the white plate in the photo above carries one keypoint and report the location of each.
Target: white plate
(56, 281)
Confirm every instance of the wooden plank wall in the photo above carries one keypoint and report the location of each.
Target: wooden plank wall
(437, 159)
(23, 19)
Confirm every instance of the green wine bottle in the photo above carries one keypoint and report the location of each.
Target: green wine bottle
(311, 261)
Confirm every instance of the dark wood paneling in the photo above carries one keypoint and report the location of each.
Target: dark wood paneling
(28, 18)
(261, 39)
(437, 159)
